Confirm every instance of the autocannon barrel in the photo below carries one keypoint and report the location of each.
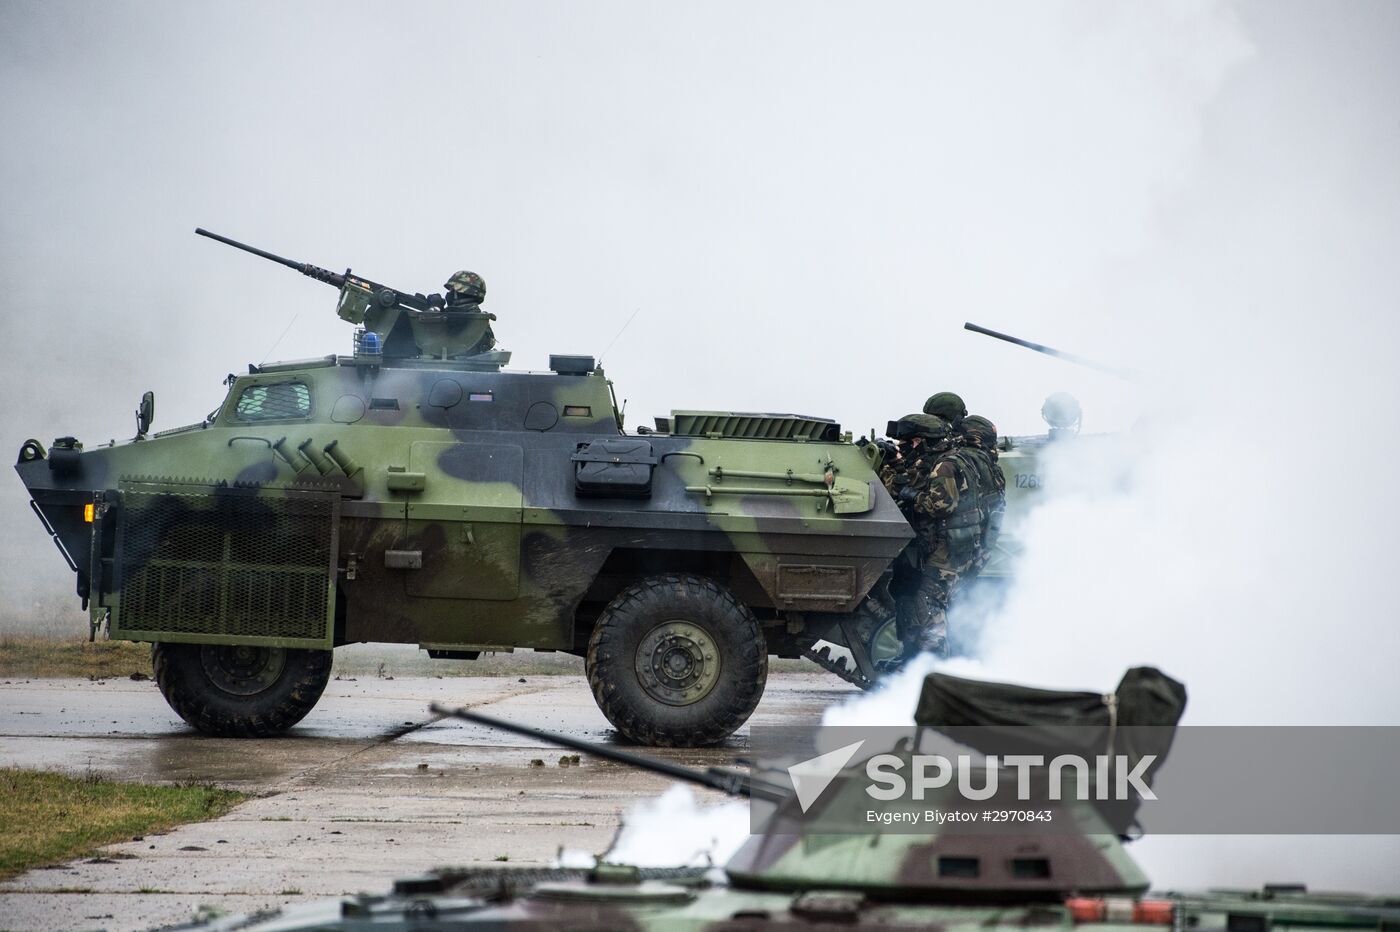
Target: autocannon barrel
(1050, 351)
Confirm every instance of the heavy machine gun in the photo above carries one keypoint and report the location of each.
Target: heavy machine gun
(432, 327)
(382, 295)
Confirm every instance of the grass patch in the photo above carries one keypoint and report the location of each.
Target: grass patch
(47, 818)
(40, 656)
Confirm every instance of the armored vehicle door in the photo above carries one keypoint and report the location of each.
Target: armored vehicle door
(466, 520)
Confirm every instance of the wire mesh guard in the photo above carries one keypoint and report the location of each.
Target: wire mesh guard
(269, 402)
(227, 562)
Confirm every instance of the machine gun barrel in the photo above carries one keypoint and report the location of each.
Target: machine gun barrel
(385, 296)
(1050, 351)
(305, 268)
(716, 778)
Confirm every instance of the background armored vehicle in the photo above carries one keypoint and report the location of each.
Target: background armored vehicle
(416, 492)
(931, 878)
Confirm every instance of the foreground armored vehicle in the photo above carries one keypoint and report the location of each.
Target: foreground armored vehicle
(414, 491)
(930, 878)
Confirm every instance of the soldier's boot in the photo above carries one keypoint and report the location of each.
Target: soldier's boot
(930, 630)
(922, 621)
(904, 626)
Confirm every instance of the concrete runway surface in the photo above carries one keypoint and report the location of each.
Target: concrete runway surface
(343, 804)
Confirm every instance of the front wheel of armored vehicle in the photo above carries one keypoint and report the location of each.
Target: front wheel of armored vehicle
(677, 661)
(238, 691)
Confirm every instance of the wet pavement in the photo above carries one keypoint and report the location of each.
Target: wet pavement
(369, 787)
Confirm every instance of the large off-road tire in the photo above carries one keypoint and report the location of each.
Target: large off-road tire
(677, 661)
(240, 692)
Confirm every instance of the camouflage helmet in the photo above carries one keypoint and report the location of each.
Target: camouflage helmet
(946, 405)
(980, 432)
(929, 427)
(466, 288)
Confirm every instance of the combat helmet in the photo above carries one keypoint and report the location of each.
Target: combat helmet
(933, 430)
(465, 288)
(980, 432)
(946, 405)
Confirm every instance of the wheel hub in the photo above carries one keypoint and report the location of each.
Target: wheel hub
(242, 670)
(677, 663)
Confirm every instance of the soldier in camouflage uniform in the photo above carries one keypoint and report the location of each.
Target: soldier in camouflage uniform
(979, 443)
(465, 290)
(899, 473)
(936, 486)
(949, 406)
(977, 438)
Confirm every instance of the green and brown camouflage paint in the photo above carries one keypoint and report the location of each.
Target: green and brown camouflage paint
(468, 470)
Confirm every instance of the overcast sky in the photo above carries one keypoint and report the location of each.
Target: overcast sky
(803, 202)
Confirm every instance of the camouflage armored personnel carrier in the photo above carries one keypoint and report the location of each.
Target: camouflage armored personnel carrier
(415, 491)
(930, 878)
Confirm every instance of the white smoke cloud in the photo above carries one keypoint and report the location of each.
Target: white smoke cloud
(673, 830)
(1236, 536)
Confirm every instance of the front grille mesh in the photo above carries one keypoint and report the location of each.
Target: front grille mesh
(227, 562)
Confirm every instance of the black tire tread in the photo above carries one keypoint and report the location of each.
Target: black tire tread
(177, 673)
(744, 673)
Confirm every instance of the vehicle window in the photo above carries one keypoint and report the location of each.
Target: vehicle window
(266, 402)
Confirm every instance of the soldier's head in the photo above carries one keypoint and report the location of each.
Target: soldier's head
(946, 405)
(465, 288)
(979, 432)
(927, 431)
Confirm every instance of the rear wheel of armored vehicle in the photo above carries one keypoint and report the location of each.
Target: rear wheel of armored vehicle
(238, 691)
(677, 661)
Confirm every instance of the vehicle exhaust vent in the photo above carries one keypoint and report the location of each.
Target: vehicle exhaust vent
(232, 565)
(753, 426)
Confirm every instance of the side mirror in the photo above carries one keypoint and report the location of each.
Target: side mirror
(145, 414)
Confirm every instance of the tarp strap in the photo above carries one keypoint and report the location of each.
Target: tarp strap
(1111, 700)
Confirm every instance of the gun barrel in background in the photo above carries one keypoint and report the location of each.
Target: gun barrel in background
(726, 781)
(1050, 351)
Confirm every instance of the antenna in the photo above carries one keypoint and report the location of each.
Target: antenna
(619, 335)
(279, 339)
